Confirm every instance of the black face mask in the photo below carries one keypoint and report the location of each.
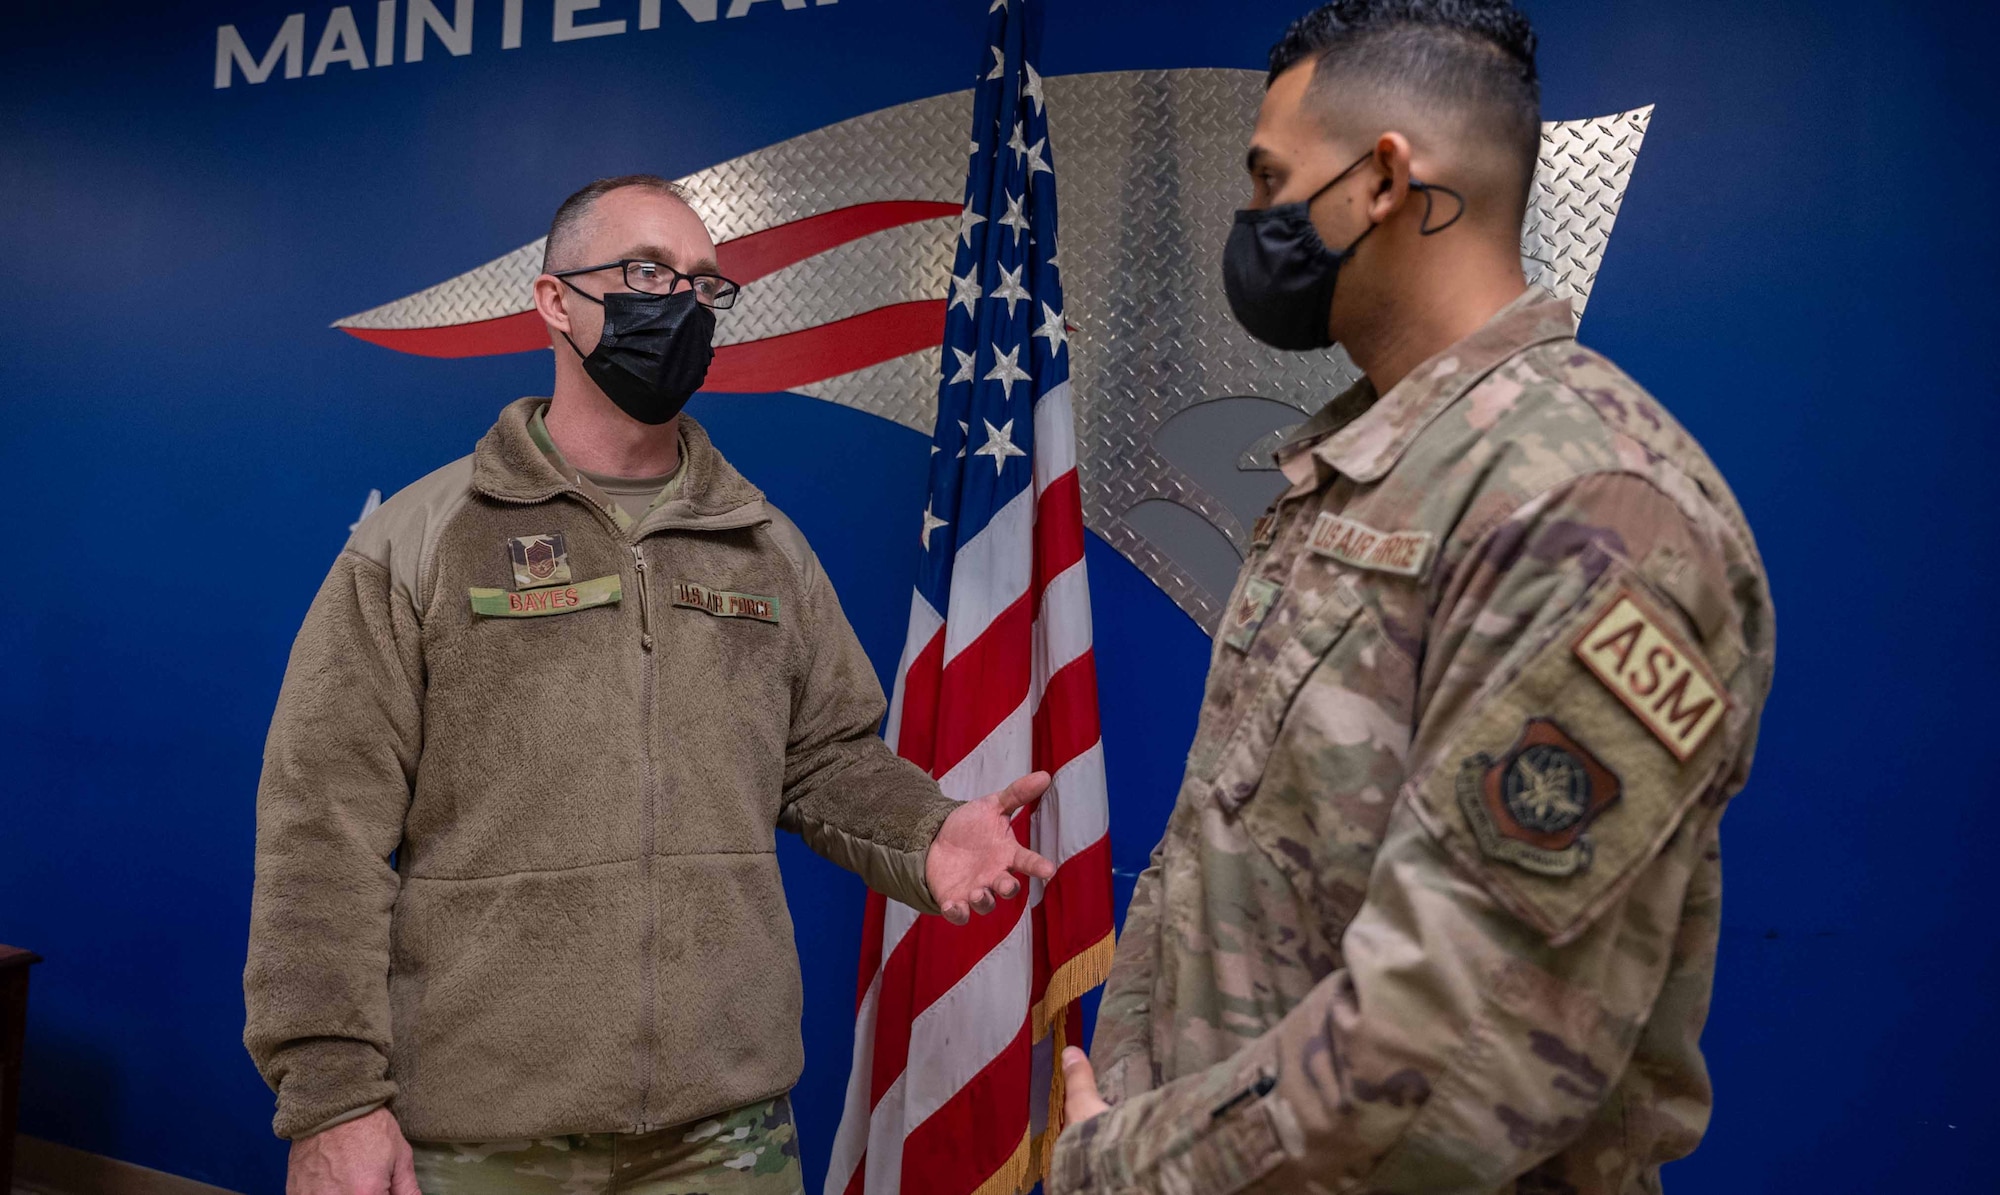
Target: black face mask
(1280, 276)
(653, 353)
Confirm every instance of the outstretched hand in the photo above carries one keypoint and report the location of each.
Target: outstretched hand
(975, 856)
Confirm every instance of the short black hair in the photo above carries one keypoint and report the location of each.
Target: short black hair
(574, 210)
(1477, 56)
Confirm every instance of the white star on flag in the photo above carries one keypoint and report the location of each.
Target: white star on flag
(1054, 329)
(1035, 163)
(999, 64)
(931, 523)
(1033, 89)
(964, 437)
(1010, 289)
(1000, 444)
(967, 221)
(1006, 371)
(1014, 218)
(965, 361)
(965, 290)
(1019, 141)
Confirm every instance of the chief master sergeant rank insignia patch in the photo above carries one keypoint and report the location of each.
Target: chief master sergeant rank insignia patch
(539, 560)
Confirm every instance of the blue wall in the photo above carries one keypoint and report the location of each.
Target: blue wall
(1802, 271)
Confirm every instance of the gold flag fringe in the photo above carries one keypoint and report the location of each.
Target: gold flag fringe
(1090, 967)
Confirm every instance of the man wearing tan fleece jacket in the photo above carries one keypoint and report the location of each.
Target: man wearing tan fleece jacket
(515, 862)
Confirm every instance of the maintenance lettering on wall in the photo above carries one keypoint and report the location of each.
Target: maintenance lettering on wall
(342, 41)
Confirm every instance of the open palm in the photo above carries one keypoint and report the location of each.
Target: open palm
(975, 855)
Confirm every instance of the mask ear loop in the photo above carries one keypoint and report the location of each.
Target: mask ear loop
(1424, 228)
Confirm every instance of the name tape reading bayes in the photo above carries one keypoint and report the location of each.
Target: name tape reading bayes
(410, 26)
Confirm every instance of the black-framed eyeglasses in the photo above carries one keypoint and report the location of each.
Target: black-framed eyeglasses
(653, 278)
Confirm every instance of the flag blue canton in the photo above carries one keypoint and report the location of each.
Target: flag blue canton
(1005, 343)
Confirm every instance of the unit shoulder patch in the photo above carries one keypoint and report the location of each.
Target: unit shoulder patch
(1549, 790)
(1531, 806)
(539, 560)
(1666, 684)
(1404, 553)
(724, 604)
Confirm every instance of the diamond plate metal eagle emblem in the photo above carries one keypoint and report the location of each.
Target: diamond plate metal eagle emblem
(1177, 407)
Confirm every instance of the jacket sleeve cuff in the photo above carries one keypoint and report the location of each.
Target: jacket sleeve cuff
(895, 873)
(1212, 1132)
(325, 1082)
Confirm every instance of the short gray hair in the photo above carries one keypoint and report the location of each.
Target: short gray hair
(575, 211)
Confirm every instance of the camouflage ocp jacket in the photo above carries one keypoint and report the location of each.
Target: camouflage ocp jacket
(1436, 909)
(576, 737)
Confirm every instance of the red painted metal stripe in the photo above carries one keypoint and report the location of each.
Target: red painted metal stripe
(826, 350)
(759, 254)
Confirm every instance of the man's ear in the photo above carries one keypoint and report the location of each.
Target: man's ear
(552, 303)
(1392, 158)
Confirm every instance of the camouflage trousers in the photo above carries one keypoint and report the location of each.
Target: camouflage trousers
(751, 1151)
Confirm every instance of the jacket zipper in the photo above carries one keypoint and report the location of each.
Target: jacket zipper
(648, 821)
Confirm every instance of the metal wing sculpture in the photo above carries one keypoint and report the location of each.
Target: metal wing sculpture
(847, 270)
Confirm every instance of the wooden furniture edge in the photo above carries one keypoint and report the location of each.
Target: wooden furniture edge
(50, 1169)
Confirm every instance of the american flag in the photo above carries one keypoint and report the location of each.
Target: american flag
(954, 1088)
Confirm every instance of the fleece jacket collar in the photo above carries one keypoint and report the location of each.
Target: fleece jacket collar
(509, 466)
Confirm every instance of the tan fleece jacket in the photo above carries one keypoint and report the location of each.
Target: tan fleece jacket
(576, 754)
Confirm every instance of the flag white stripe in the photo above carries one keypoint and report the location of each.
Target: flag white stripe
(848, 1143)
(1073, 815)
(886, 1131)
(924, 623)
(1001, 560)
(1001, 758)
(1055, 436)
(1062, 633)
(970, 1025)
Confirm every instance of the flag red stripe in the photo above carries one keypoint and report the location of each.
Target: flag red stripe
(871, 943)
(916, 739)
(748, 258)
(977, 1130)
(1078, 904)
(983, 684)
(1066, 723)
(946, 952)
(1058, 529)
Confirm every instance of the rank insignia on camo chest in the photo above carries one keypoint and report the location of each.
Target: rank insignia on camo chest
(539, 560)
(1252, 606)
(1531, 806)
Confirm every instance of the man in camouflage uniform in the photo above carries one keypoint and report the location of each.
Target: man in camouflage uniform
(1436, 909)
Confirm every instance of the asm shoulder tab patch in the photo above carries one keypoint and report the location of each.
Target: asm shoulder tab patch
(554, 599)
(1405, 553)
(1665, 683)
(1548, 790)
(724, 604)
